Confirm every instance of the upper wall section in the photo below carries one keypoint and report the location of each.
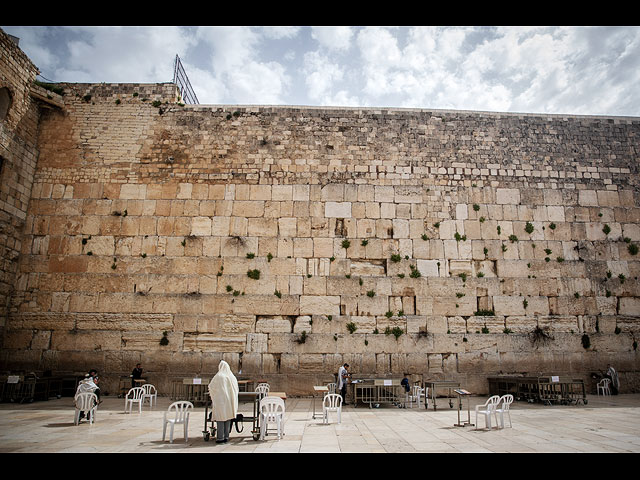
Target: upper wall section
(141, 134)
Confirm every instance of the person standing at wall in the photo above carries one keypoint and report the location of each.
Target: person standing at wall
(136, 374)
(223, 390)
(343, 378)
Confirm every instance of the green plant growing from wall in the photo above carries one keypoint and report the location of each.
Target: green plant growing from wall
(529, 228)
(606, 229)
(633, 249)
(459, 237)
(539, 336)
(165, 339)
(396, 258)
(552, 226)
(397, 332)
(251, 255)
(346, 244)
(476, 207)
(253, 274)
(351, 327)
(371, 293)
(415, 273)
(364, 243)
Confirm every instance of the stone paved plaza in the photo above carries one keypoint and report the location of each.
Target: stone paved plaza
(605, 424)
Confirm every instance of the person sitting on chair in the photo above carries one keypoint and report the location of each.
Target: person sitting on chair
(89, 385)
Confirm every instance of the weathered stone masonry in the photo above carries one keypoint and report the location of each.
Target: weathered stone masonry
(146, 218)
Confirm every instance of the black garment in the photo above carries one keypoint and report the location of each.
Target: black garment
(135, 375)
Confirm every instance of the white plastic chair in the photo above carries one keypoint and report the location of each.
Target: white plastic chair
(416, 393)
(502, 407)
(151, 393)
(262, 389)
(603, 386)
(488, 409)
(332, 388)
(134, 395)
(332, 402)
(177, 413)
(271, 411)
(86, 402)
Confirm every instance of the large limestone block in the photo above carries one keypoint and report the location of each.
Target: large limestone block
(375, 306)
(133, 191)
(508, 305)
(319, 305)
(287, 226)
(507, 196)
(337, 209)
(262, 227)
(89, 340)
(438, 324)
(588, 198)
(214, 343)
(520, 325)
(201, 226)
(629, 306)
(266, 305)
(273, 324)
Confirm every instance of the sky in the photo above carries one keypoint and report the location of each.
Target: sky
(557, 70)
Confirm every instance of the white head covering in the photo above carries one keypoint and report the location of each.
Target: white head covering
(223, 390)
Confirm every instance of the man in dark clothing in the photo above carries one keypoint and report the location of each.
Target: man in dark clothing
(136, 374)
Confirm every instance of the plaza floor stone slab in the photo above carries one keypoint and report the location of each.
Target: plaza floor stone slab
(604, 425)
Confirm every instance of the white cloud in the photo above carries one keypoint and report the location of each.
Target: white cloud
(333, 38)
(323, 79)
(589, 70)
(235, 62)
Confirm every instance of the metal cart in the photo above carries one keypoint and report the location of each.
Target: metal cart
(548, 389)
(19, 388)
(375, 392)
(192, 389)
(209, 429)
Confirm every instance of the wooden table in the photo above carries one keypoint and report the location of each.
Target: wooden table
(281, 395)
(318, 388)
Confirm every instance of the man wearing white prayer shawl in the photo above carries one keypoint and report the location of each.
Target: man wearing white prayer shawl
(223, 390)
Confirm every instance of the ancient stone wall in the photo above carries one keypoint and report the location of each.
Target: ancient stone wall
(289, 240)
(19, 113)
